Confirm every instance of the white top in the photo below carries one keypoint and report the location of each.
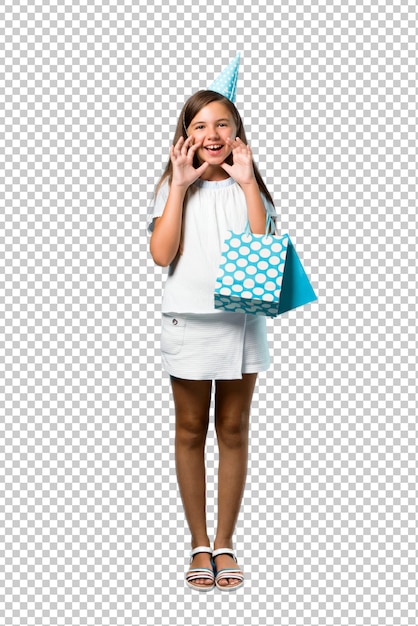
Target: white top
(211, 209)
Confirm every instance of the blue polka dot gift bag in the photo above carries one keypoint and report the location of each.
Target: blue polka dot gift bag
(261, 274)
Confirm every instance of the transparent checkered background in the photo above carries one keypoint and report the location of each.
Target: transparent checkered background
(92, 525)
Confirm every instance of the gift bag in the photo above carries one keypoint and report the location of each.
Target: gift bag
(261, 274)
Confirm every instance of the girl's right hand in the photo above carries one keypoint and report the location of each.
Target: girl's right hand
(181, 155)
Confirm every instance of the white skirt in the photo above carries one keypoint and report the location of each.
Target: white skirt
(214, 346)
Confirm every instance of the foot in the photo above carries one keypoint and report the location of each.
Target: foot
(224, 561)
(203, 559)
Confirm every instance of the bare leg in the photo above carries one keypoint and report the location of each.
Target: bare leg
(192, 402)
(232, 412)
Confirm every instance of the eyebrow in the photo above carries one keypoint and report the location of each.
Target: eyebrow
(222, 119)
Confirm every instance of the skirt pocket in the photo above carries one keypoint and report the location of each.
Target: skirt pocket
(172, 333)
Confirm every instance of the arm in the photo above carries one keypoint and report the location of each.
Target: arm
(165, 239)
(255, 207)
(243, 172)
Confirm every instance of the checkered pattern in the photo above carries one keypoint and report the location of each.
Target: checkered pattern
(92, 527)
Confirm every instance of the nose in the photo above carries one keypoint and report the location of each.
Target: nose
(213, 131)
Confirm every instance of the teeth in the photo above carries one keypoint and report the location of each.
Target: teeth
(213, 147)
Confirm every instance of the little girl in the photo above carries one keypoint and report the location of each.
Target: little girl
(210, 185)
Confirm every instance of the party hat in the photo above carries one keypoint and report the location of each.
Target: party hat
(226, 83)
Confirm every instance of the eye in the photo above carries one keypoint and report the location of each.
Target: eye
(199, 127)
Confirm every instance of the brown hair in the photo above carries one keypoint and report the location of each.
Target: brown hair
(189, 111)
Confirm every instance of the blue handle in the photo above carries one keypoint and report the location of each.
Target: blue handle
(269, 226)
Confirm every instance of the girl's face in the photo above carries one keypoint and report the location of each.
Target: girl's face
(212, 126)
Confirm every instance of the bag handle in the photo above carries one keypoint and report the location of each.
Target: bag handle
(270, 226)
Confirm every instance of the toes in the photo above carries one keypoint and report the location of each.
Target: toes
(229, 582)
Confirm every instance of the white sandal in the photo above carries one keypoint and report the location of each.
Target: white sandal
(228, 572)
(200, 572)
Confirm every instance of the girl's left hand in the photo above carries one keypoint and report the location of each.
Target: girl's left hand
(242, 169)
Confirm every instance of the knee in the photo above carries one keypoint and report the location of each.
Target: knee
(232, 431)
(191, 430)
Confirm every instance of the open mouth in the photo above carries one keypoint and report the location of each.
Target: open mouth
(213, 149)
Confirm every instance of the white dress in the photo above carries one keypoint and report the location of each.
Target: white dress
(199, 342)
